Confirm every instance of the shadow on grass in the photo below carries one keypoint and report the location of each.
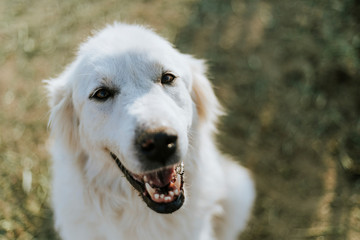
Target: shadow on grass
(291, 90)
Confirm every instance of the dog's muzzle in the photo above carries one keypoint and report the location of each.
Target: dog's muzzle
(161, 184)
(157, 148)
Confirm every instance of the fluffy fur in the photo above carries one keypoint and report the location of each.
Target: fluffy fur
(91, 197)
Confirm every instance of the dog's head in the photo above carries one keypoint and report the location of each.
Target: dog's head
(130, 98)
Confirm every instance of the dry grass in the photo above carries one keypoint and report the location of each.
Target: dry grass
(288, 71)
(38, 39)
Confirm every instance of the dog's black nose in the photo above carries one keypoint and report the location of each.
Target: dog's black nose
(157, 146)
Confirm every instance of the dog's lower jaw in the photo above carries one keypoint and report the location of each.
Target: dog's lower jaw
(163, 199)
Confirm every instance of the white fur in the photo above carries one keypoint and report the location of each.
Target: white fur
(91, 197)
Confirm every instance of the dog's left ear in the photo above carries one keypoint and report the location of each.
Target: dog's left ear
(63, 121)
(202, 93)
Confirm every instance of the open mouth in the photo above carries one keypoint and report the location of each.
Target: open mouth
(162, 190)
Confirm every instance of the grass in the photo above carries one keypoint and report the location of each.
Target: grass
(287, 71)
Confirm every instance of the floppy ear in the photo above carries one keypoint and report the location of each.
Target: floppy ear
(63, 121)
(202, 93)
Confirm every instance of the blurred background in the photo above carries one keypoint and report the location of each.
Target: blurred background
(288, 72)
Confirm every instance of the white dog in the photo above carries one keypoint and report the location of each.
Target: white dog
(132, 122)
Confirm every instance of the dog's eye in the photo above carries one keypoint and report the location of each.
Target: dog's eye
(101, 94)
(167, 78)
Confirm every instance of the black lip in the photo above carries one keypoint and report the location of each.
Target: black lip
(163, 208)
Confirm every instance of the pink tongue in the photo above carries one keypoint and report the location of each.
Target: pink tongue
(161, 178)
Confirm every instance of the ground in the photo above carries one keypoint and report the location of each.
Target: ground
(288, 73)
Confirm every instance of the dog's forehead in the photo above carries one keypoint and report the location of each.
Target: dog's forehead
(123, 49)
(119, 39)
(127, 54)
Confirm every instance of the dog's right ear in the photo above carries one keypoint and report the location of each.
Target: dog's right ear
(207, 105)
(63, 121)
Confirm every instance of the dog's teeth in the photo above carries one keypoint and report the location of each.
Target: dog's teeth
(149, 189)
(162, 196)
(156, 196)
(145, 178)
(167, 198)
(177, 183)
(176, 192)
(171, 193)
